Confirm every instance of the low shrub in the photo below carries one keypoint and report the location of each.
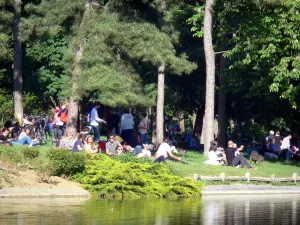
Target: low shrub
(130, 158)
(66, 162)
(112, 178)
(30, 152)
(9, 154)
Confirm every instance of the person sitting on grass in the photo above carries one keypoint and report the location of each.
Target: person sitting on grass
(78, 145)
(67, 141)
(89, 146)
(112, 145)
(24, 138)
(4, 140)
(126, 148)
(215, 155)
(16, 131)
(164, 151)
(235, 158)
(145, 152)
(119, 150)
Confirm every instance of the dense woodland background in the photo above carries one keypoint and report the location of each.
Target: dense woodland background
(116, 51)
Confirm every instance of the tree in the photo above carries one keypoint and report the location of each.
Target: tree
(210, 75)
(18, 79)
(74, 99)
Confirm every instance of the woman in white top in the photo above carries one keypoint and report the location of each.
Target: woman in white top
(215, 158)
(89, 146)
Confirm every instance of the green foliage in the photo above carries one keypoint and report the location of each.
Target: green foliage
(130, 158)
(6, 103)
(9, 154)
(265, 46)
(104, 175)
(66, 162)
(197, 21)
(46, 58)
(30, 152)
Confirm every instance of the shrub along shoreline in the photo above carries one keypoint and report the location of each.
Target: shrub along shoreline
(117, 177)
(127, 176)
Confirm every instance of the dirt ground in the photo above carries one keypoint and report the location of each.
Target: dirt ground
(31, 179)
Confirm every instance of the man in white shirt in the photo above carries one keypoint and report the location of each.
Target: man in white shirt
(164, 151)
(94, 122)
(286, 153)
(286, 142)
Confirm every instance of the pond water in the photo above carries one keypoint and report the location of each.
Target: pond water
(209, 210)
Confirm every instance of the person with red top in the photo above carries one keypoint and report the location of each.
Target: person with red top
(57, 125)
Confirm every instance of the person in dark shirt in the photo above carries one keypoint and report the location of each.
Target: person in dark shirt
(78, 145)
(278, 140)
(16, 131)
(4, 136)
(113, 121)
(230, 153)
(234, 157)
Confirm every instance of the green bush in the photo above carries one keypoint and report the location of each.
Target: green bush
(128, 158)
(112, 178)
(66, 162)
(30, 152)
(9, 154)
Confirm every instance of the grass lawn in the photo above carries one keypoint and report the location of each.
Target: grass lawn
(197, 166)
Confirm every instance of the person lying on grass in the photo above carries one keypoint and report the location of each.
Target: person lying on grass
(164, 151)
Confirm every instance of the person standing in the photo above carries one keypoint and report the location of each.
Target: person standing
(94, 122)
(113, 121)
(57, 126)
(127, 123)
(143, 128)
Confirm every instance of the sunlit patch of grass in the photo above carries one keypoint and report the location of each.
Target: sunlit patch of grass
(196, 165)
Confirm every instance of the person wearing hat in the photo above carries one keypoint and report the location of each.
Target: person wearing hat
(164, 151)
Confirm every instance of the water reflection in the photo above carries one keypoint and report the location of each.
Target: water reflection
(210, 210)
(266, 209)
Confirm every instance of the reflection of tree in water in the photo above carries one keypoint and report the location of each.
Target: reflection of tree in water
(68, 211)
(144, 211)
(251, 209)
(211, 210)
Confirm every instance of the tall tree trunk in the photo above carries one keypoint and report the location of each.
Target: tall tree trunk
(160, 104)
(222, 105)
(17, 68)
(210, 76)
(74, 99)
(160, 84)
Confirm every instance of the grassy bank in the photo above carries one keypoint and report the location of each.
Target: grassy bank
(126, 176)
(196, 165)
(118, 177)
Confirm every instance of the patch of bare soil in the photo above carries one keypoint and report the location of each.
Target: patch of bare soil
(30, 179)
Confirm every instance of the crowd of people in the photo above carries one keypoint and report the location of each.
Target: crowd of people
(231, 156)
(122, 138)
(274, 147)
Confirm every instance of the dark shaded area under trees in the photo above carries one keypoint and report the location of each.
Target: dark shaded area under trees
(124, 42)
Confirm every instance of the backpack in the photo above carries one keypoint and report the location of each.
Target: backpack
(64, 116)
